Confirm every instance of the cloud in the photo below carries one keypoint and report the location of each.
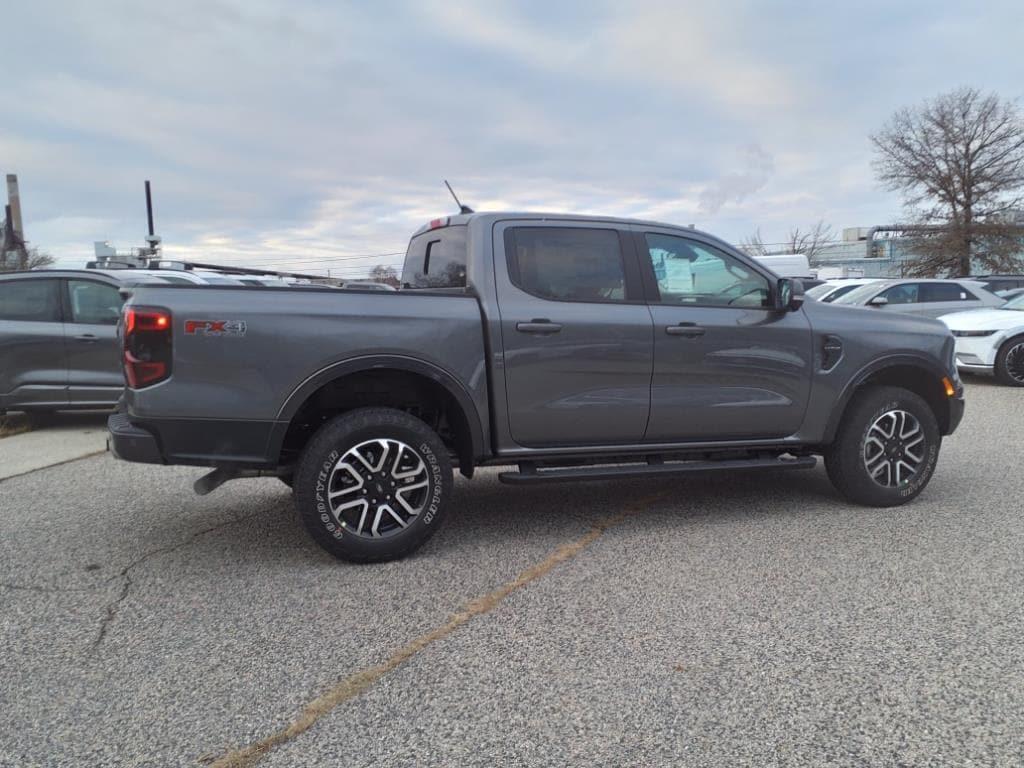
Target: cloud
(737, 186)
(667, 44)
(311, 134)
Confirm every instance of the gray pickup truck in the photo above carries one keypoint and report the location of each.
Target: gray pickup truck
(577, 348)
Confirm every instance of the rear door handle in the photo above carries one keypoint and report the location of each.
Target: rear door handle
(689, 330)
(539, 325)
(88, 338)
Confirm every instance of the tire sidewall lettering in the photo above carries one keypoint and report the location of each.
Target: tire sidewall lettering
(436, 483)
(323, 509)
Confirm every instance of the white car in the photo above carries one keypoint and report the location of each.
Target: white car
(991, 341)
(831, 290)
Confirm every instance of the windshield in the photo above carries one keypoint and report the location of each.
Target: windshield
(859, 295)
(1017, 303)
(819, 290)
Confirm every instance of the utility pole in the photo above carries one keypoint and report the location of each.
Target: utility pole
(153, 240)
(14, 233)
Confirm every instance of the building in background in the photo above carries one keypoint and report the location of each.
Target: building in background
(880, 251)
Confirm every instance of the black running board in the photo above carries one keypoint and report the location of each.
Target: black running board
(528, 475)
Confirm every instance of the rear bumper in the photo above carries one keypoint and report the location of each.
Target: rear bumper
(130, 442)
(194, 442)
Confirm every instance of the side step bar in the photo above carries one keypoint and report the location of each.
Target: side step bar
(529, 475)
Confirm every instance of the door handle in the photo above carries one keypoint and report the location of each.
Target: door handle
(688, 330)
(88, 338)
(539, 325)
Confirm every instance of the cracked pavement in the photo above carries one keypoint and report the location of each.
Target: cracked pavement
(748, 620)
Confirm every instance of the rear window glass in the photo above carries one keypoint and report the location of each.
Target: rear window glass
(30, 300)
(436, 259)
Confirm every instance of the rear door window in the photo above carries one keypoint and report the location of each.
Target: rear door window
(944, 292)
(436, 259)
(30, 300)
(567, 263)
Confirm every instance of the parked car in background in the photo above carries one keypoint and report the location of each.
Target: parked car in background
(991, 340)
(794, 265)
(930, 298)
(58, 338)
(787, 264)
(999, 284)
(366, 285)
(831, 290)
(1011, 294)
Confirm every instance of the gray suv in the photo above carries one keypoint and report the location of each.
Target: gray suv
(58, 339)
(930, 298)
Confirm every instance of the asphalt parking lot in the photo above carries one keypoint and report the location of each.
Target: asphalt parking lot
(747, 620)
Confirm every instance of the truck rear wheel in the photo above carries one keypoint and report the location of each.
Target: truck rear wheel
(886, 449)
(373, 485)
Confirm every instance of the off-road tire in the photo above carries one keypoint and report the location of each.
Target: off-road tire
(1002, 371)
(316, 469)
(845, 457)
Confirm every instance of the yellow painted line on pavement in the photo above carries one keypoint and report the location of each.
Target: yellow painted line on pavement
(355, 684)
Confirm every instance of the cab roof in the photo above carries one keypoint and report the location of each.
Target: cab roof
(490, 217)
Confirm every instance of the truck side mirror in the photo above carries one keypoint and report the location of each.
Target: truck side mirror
(789, 294)
(878, 301)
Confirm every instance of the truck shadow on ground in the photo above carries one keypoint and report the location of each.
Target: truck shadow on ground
(487, 517)
(485, 507)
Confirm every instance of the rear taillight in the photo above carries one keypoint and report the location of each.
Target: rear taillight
(147, 345)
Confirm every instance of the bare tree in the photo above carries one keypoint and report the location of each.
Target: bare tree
(754, 245)
(809, 242)
(36, 260)
(385, 274)
(959, 161)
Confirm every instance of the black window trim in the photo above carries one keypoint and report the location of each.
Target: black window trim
(653, 293)
(630, 268)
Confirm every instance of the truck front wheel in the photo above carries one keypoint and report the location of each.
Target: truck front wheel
(886, 448)
(373, 485)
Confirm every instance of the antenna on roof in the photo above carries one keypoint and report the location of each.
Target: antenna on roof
(462, 208)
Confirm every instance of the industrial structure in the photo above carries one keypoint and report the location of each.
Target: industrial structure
(13, 251)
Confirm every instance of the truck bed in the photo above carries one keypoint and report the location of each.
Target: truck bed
(238, 384)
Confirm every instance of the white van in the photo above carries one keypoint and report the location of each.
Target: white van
(788, 264)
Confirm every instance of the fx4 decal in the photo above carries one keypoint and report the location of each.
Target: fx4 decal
(215, 328)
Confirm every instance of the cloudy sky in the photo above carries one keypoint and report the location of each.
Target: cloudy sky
(316, 134)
